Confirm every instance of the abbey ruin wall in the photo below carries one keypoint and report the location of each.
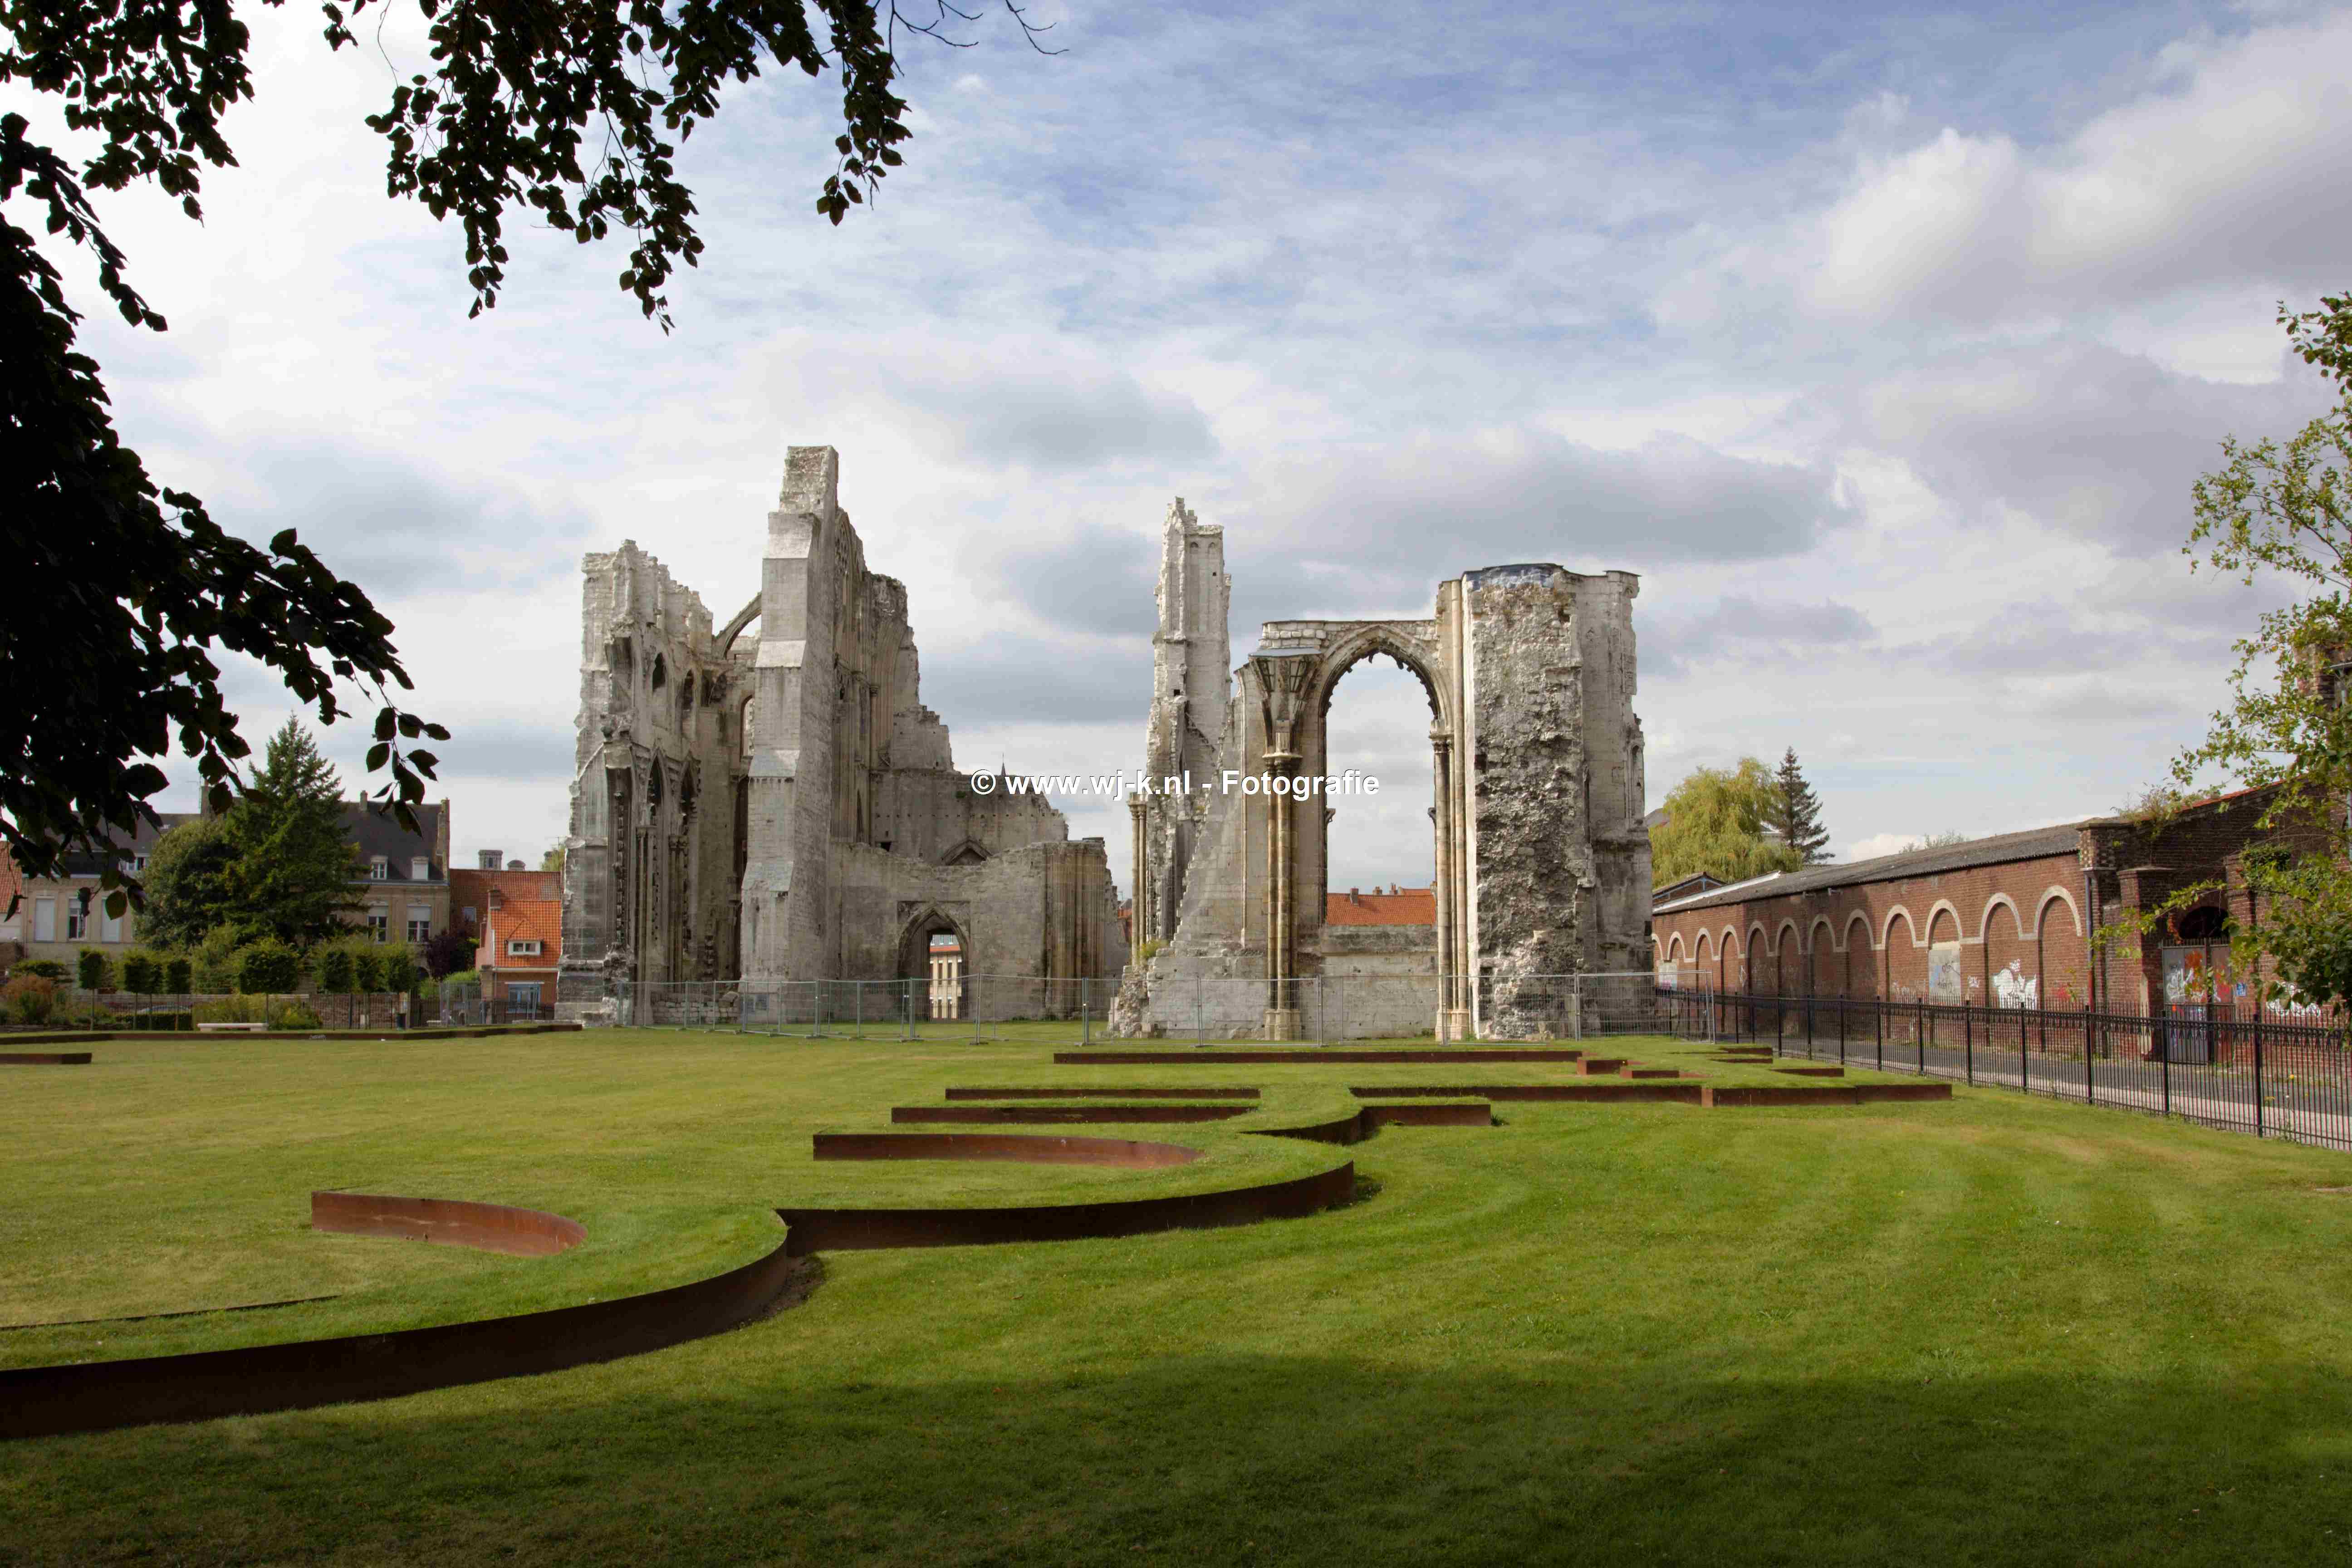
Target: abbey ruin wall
(770, 802)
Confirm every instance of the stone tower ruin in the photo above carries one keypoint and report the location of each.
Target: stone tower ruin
(1542, 859)
(771, 801)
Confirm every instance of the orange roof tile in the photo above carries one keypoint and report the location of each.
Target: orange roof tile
(521, 920)
(1396, 907)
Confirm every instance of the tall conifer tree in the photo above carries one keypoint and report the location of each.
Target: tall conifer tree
(1794, 812)
(295, 864)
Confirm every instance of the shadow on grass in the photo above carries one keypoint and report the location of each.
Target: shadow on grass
(1211, 1458)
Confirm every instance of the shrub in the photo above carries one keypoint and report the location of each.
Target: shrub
(179, 975)
(232, 1010)
(214, 965)
(42, 968)
(335, 971)
(91, 971)
(367, 967)
(464, 977)
(268, 965)
(140, 973)
(449, 952)
(271, 1011)
(30, 998)
(400, 972)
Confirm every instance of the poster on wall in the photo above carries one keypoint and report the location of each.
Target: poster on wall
(1944, 972)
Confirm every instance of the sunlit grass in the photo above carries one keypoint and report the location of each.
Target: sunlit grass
(1993, 1330)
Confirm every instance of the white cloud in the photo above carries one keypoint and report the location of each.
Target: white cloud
(2225, 168)
(1896, 420)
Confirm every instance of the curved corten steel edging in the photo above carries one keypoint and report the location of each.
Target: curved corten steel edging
(1069, 1114)
(1643, 1093)
(812, 1230)
(1848, 1094)
(43, 1059)
(1309, 1055)
(1124, 1153)
(1160, 1091)
(1349, 1129)
(450, 1222)
(1428, 1116)
(44, 1401)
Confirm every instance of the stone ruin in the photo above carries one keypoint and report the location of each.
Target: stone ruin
(1542, 859)
(770, 801)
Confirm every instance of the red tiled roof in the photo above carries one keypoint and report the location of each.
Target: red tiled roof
(1396, 907)
(469, 888)
(521, 920)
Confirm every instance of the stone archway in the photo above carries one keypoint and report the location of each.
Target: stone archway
(929, 997)
(1296, 677)
(1542, 856)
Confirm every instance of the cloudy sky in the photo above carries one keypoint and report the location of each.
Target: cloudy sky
(1883, 341)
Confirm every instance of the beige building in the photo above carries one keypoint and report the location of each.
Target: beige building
(57, 916)
(947, 978)
(402, 889)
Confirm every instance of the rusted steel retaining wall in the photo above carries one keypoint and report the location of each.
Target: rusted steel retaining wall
(450, 1222)
(829, 1230)
(42, 1401)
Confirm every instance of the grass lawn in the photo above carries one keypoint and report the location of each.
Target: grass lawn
(1999, 1329)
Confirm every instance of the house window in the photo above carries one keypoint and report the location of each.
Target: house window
(420, 869)
(45, 919)
(380, 922)
(523, 995)
(379, 869)
(420, 928)
(137, 864)
(523, 948)
(109, 927)
(76, 923)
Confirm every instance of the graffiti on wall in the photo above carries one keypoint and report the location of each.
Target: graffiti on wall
(2011, 988)
(1944, 982)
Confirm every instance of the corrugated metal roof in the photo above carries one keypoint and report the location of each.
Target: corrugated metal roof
(2032, 844)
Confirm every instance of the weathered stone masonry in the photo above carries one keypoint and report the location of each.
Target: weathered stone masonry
(777, 804)
(1542, 857)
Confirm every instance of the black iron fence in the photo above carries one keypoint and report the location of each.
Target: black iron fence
(2249, 1070)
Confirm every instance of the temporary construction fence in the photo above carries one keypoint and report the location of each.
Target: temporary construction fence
(2258, 1073)
(465, 1004)
(1201, 1009)
(974, 1008)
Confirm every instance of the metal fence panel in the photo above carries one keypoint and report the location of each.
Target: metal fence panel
(2248, 1070)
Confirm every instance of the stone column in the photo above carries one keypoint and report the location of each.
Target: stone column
(1137, 922)
(1441, 769)
(1282, 1002)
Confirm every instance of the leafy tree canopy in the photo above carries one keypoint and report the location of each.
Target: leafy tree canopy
(1716, 822)
(572, 113)
(2284, 513)
(187, 883)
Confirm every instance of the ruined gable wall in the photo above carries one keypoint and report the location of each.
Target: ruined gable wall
(846, 758)
(930, 813)
(649, 888)
(1190, 698)
(1038, 911)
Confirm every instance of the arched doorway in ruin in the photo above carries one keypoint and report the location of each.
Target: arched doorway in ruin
(935, 958)
(1292, 687)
